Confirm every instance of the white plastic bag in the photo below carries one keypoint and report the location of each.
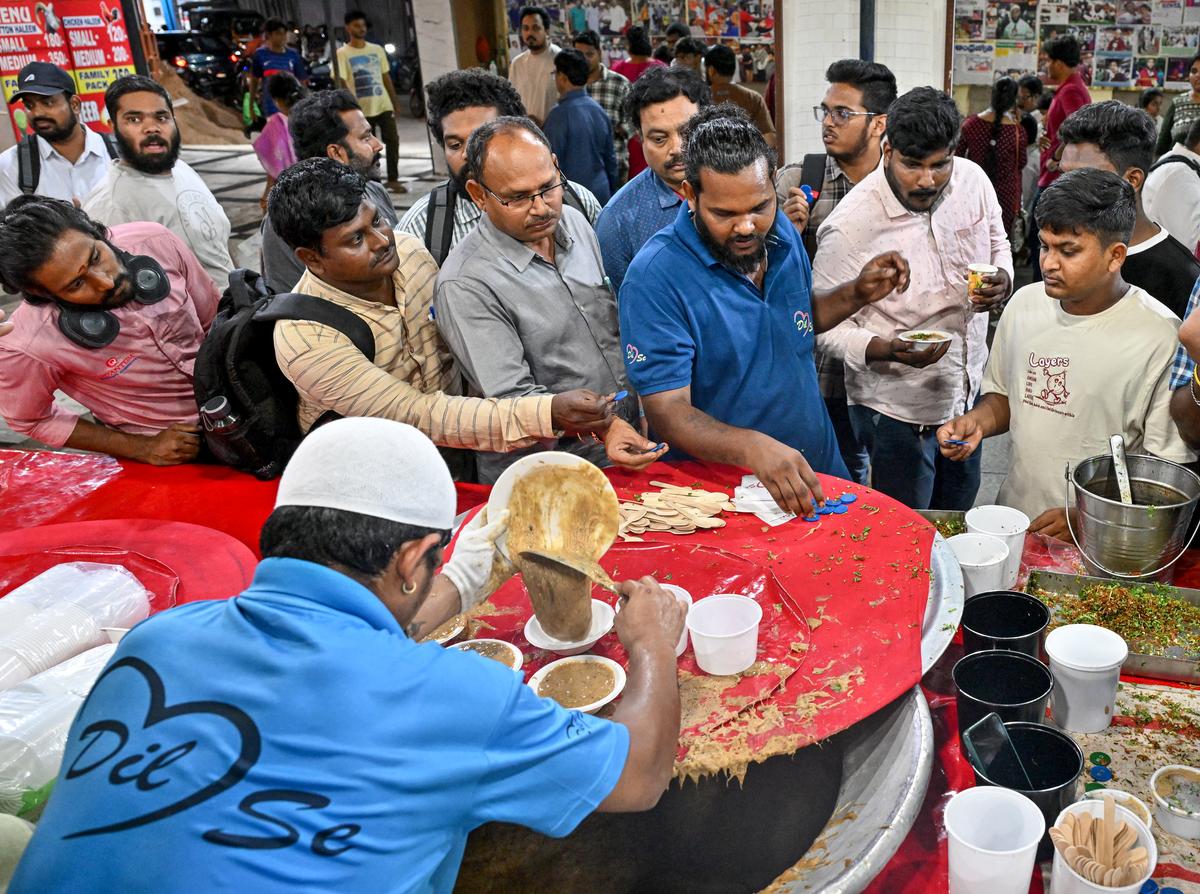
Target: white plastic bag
(34, 719)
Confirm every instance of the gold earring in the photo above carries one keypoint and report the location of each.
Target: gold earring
(408, 588)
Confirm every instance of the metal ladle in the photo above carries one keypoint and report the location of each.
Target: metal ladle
(578, 564)
(1117, 444)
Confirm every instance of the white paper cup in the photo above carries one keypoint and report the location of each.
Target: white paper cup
(1065, 880)
(993, 834)
(686, 598)
(983, 559)
(1003, 523)
(975, 275)
(724, 630)
(1086, 663)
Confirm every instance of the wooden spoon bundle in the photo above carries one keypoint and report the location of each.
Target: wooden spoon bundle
(1100, 849)
(672, 510)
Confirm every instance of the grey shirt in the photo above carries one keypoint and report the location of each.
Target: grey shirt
(519, 325)
(280, 266)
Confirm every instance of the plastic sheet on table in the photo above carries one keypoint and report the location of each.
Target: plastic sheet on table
(36, 485)
(34, 719)
(159, 579)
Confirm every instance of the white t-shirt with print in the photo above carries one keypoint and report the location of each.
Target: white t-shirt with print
(1074, 381)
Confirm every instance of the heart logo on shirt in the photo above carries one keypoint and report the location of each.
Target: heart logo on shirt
(135, 754)
(803, 322)
(633, 355)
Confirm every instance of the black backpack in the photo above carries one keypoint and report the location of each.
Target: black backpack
(1174, 159)
(237, 361)
(29, 161)
(439, 217)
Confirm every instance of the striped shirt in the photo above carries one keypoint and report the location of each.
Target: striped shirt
(467, 214)
(610, 90)
(413, 378)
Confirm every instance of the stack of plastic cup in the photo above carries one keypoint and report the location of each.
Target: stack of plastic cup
(1085, 661)
(724, 630)
(1003, 523)
(993, 835)
(686, 598)
(982, 558)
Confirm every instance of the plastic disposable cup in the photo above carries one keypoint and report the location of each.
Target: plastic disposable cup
(1003, 523)
(1004, 619)
(1065, 880)
(1086, 663)
(975, 275)
(1012, 684)
(993, 835)
(686, 598)
(724, 630)
(982, 559)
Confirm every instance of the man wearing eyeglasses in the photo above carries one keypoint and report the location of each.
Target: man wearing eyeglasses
(522, 301)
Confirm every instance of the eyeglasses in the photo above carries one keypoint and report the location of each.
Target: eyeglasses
(523, 203)
(840, 116)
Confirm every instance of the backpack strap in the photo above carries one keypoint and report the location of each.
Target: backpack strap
(439, 221)
(1170, 159)
(309, 308)
(572, 198)
(110, 143)
(29, 164)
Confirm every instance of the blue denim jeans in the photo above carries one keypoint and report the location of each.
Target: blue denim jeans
(854, 452)
(907, 465)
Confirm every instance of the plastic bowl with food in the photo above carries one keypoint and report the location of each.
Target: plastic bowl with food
(447, 630)
(925, 339)
(581, 682)
(1131, 803)
(602, 622)
(495, 649)
(1176, 791)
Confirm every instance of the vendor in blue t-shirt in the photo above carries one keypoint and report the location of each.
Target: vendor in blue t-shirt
(273, 57)
(718, 319)
(299, 737)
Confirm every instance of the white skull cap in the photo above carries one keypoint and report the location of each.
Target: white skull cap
(374, 467)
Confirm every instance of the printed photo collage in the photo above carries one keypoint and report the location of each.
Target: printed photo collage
(747, 26)
(1127, 44)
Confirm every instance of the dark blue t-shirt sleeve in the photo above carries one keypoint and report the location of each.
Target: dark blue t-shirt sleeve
(301, 67)
(256, 64)
(545, 767)
(656, 335)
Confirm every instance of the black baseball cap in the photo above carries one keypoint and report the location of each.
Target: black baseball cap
(43, 79)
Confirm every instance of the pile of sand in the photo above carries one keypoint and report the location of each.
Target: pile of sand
(201, 121)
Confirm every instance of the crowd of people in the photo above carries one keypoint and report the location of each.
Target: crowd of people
(616, 267)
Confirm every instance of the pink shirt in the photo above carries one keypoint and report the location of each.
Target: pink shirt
(142, 382)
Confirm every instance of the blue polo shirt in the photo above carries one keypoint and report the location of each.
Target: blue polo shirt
(266, 62)
(746, 353)
(640, 208)
(295, 739)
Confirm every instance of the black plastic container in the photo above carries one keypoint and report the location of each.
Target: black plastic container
(1053, 763)
(1004, 619)
(1014, 685)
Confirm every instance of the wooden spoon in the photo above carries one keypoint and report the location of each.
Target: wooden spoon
(1061, 840)
(1126, 837)
(580, 565)
(1083, 830)
(1136, 856)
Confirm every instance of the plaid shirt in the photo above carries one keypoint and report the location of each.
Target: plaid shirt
(835, 188)
(1182, 366)
(610, 91)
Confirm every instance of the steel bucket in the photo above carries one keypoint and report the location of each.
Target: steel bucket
(1132, 542)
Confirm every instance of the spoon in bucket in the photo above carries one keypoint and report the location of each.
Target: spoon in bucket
(578, 564)
(1117, 445)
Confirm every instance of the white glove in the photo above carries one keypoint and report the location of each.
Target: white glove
(469, 569)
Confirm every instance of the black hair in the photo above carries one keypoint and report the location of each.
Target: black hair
(315, 122)
(477, 146)
(722, 138)
(663, 54)
(572, 64)
(1125, 135)
(270, 26)
(1149, 95)
(312, 196)
(690, 46)
(875, 81)
(1032, 83)
(133, 84)
(468, 87)
(1195, 59)
(334, 537)
(661, 85)
(30, 227)
(721, 60)
(1091, 201)
(1004, 100)
(354, 15)
(589, 37)
(923, 121)
(1193, 135)
(1064, 49)
(678, 28)
(283, 86)
(1044, 101)
(638, 41)
(535, 11)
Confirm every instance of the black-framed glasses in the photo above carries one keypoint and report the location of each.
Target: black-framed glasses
(522, 203)
(839, 115)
